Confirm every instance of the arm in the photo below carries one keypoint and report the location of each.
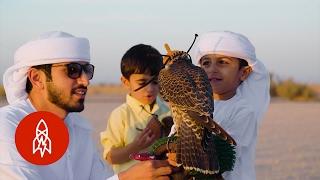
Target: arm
(121, 154)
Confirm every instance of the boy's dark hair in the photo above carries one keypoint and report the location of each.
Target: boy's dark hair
(46, 68)
(141, 59)
(242, 63)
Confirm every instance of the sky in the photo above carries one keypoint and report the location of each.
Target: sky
(285, 33)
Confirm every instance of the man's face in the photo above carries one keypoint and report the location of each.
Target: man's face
(65, 92)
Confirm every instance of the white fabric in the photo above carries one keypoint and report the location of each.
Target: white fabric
(256, 88)
(239, 118)
(81, 160)
(51, 47)
(224, 43)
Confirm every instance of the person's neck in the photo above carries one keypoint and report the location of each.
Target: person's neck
(224, 96)
(152, 105)
(41, 104)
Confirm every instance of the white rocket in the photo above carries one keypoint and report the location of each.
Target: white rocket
(41, 142)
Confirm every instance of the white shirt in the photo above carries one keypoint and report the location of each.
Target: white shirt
(80, 161)
(240, 119)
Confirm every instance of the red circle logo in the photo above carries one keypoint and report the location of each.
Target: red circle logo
(42, 138)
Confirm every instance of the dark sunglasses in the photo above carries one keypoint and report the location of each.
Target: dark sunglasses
(75, 70)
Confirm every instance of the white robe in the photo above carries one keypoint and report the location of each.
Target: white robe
(240, 119)
(80, 161)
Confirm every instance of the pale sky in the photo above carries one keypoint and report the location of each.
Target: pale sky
(286, 33)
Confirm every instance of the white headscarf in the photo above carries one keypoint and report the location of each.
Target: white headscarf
(256, 88)
(51, 47)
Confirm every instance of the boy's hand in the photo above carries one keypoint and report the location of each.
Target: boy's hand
(155, 125)
(144, 139)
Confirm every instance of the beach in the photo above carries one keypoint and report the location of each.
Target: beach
(288, 144)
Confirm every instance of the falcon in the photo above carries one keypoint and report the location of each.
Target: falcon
(187, 90)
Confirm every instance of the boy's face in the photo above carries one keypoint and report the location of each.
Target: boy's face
(224, 74)
(147, 94)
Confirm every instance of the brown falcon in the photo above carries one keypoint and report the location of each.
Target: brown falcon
(187, 89)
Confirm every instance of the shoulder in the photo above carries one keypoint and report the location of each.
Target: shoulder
(120, 111)
(242, 109)
(120, 114)
(233, 110)
(79, 121)
(8, 112)
(240, 105)
(20, 106)
(10, 117)
(16, 111)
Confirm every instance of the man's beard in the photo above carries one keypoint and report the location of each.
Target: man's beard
(55, 96)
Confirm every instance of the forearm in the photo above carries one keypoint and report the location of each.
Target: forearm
(121, 154)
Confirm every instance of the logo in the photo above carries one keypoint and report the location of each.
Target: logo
(42, 138)
(41, 142)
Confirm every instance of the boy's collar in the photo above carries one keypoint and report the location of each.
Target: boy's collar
(138, 106)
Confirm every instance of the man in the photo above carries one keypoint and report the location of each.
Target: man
(52, 74)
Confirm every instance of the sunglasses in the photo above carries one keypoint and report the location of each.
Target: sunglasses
(75, 70)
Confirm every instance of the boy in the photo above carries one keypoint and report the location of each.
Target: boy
(240, 85)
(134, 125)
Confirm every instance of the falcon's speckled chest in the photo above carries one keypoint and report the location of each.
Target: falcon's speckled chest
(179, 116)
(186, 85)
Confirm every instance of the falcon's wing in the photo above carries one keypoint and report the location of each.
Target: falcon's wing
(186, 88)
(212, 126)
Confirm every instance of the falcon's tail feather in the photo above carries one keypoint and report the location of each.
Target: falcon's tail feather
(212, 126)
(192, 155)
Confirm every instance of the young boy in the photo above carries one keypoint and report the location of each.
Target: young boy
(134, 125)
(240, 85)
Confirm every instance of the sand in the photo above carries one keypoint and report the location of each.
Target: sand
(288, 145)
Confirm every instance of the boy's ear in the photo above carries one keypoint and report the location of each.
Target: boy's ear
(245, 72)
(125, 82)
(37, 78)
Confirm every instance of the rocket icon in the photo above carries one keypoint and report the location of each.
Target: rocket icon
(41, 142)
